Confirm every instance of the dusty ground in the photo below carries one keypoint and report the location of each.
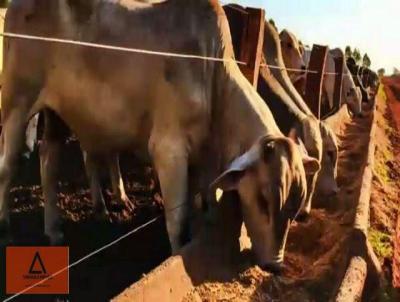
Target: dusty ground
(386, 185)
(315, 251)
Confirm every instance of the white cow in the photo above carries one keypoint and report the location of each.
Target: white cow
(351, 94)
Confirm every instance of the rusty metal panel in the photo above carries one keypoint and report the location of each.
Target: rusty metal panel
(247, 30)
(337, 94)
(237, 18)
(314, 79)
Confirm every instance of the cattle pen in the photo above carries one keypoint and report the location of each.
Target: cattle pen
(329, 256)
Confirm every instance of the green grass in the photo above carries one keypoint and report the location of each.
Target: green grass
(381, 92)
(381, 243)
(381, 169)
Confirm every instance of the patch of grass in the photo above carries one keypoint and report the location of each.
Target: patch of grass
(382, 93)
(382, 173)
(381, 168)
(381, 243)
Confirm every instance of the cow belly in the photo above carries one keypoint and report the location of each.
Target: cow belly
(107, 129)
(102, 118)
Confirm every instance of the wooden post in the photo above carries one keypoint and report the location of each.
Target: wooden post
(315, 79)
(247, 30)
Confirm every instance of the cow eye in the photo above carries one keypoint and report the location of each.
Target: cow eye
(290, 45)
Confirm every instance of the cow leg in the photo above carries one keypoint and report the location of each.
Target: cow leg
(11, 145)
(54, 136)
(118, 184)
(170, 160)
(93, 174)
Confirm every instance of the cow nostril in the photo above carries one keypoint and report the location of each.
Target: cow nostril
(274, 268)
(303, 67)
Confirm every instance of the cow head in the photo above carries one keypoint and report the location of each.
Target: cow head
(308, 136)
(292, 53)
(271, 182)
(353, 98)
(326, 182)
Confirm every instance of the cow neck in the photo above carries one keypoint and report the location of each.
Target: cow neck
(348, 82)
(285, 111)
(242, 117)
(273, 55)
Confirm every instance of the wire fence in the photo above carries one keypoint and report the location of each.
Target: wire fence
(160, 53)
(152, 52)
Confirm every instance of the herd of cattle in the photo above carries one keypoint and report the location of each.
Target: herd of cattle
(199, 122)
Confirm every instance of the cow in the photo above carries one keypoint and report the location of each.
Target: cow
(282, 101)
(289, 116)
(292, 52)
(176, 112)
(326, 182)
(370, 81)
(356, 71)
(350, 94)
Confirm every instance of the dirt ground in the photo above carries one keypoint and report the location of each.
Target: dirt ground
(316, 250)
(386, 185)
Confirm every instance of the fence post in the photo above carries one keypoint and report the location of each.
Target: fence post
(247, 30)
(314, 80)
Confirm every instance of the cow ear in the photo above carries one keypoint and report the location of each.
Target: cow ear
(229, 180)
(293, 135)
(311, 165)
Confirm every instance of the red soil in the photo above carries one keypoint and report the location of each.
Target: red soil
(392, 89)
